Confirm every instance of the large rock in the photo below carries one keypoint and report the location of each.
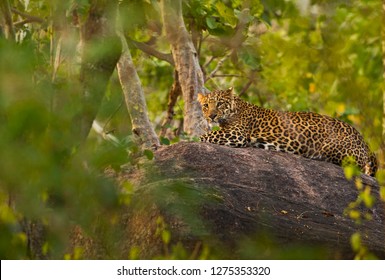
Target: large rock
(246, 203)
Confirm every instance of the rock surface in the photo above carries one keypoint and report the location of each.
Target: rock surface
(226, 197)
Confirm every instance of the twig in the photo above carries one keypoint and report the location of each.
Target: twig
(208, 62)
(212, 74)
(246, 87)
(174, 93)
(227, 75)
(252, 79)
(261, 102)
(152, 51)
(57, 59)
(28, 17)
(24, 21)
(200, 44)
(197, 247)
(112, 115)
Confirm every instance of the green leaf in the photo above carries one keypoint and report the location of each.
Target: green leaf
(134, 253)
(257, 8)
(164, 141)
(354, 214)
(166, 236)
(226, 13)
(382, 193)
(355, 241)
(212, 22)
(175, 140)
(251, 58)
(367, 198)
(149, 154)
(195, 139)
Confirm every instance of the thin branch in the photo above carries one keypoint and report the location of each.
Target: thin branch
(152, 51)
(227, 75)
(58, 58)
(260, 99)
(136, 103)
(200, 44)
(24, 21)
(205, 37)
(99, 129)
(113, 115)
(245, 88)
(212, 74)
(252, 79)
(28, 17)
(208, 62)
(173, 95)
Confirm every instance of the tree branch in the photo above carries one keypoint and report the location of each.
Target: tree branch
(382, 147)
(209, 61)
(153, 52)
(186, 64)
(174, 93)
(135, 101)
(100, 51)
(28, 18)
(245, 88)
(227, 75)
(212, 74)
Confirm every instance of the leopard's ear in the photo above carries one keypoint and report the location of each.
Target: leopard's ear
(230, 90)
(200, 97)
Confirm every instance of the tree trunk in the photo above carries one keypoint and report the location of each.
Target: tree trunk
(381, 154)
(7, 23)
(100, 51)
(135, 101)
(186, 64)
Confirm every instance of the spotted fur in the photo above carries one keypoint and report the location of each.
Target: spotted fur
(308, 134)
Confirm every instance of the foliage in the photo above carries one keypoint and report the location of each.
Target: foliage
(323, 56)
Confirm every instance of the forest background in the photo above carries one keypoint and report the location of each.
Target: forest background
(71, 106)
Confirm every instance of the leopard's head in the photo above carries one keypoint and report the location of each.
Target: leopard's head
(218, 105)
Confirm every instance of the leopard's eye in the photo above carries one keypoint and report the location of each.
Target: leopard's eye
(205, 105)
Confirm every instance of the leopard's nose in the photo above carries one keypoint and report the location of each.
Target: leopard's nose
(212, 116)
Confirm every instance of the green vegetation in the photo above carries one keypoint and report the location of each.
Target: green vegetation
(322, 56)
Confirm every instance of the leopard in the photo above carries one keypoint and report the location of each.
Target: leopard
(311, 135)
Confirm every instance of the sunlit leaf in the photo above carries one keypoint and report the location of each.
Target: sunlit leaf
(165, 141)
(355, 241)
(212, 22)
(134, 253)
(382, 193)
(226, 13)
(166, 236)
(354, 214)
(149, 154)
(367, 197)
